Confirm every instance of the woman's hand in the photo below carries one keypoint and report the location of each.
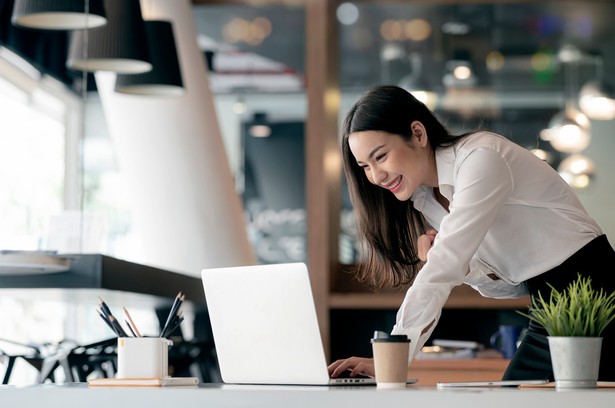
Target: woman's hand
(424, 244)
(356, 366)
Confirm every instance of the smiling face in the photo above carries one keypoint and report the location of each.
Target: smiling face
(393, 163)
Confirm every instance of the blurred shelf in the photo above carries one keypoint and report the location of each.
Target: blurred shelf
(462, 297)
(90, 276)
(429, 372)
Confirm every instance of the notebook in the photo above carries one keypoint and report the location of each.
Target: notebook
(265, 328)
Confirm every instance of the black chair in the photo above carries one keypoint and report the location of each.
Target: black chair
(76, 361)
(98, 359)
(33, 354)
(194, 359)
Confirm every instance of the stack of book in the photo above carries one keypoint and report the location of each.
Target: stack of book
(143, 382)
(452, 349)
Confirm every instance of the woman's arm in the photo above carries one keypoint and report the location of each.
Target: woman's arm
(482, 184)
(424, 244)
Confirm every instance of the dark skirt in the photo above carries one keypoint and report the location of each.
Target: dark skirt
(532, 359)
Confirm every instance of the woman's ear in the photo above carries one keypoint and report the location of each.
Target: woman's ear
(419, 132)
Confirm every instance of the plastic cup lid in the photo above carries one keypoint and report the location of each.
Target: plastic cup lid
(380, 336)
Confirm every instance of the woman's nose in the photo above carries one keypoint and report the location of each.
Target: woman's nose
(378, 175)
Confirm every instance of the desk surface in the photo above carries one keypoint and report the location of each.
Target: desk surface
(245, 396)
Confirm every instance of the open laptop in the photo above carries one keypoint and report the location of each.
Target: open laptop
(265, 327)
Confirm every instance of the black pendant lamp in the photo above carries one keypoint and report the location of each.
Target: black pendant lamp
(165, 77)
(59, 14)
(119, 46)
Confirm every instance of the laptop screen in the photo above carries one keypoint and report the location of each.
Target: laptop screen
(264, 324)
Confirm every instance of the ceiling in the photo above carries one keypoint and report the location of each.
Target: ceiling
(517, 29)
(515, 99)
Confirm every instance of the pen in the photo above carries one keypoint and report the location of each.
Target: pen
(131, 324)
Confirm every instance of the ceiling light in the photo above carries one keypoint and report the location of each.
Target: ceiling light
(240, 107)
(569, 131)
(495, 61)
(417, 29)
(119, 46)
(259, 126)
(58, 14)
(347, 13)
(459, 74)
(577, 170)
(462, 72)
(455, 28)
(597, 97)
(569, 53)
(597, 100)
(391, 30)
(165, 78)
(541, 61)
(392, 51)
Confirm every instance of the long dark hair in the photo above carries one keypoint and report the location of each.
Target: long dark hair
(389, 228)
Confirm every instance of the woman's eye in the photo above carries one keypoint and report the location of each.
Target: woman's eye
(381, 157)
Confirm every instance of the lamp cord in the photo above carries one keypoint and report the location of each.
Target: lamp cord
(81, 141)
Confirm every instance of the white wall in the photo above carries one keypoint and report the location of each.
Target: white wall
(173, 156)
(599, 197)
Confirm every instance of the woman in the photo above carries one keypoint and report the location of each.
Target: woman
(438, 210)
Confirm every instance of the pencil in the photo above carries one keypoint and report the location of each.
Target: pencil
(104, 307)
(131, 324)
(174, 324)
(130, 328)
(172, 312)
(107, 321)
(117, 326)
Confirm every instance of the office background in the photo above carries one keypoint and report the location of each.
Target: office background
(181, 184)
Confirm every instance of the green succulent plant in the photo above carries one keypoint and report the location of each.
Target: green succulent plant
(577, 311)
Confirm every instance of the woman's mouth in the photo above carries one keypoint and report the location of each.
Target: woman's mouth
(394, 186)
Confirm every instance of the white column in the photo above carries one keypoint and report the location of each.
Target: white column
(173, 156)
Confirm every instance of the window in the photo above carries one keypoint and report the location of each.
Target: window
(32, 157)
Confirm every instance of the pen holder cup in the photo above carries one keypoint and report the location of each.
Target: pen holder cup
(143, 357)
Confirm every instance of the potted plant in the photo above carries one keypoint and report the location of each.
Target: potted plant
(574, 320)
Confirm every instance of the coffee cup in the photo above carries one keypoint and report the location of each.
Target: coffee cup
(505, 340)
(390, 359)
(143, 357)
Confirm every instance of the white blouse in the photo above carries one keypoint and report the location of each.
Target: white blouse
(510, 214)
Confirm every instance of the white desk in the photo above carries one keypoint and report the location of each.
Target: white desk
(230, 396)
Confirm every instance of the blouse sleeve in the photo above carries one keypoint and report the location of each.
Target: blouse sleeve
(482, 184)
